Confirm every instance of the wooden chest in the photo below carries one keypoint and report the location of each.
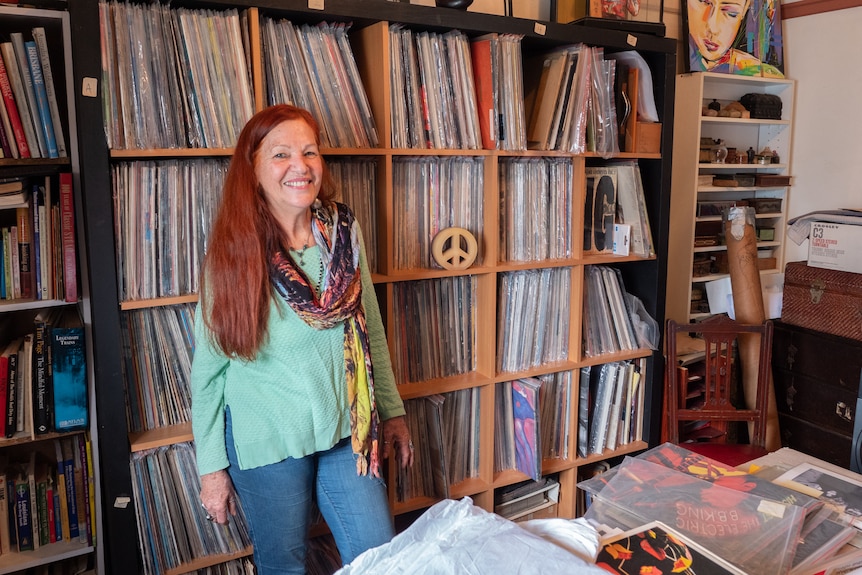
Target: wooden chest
(823, 300)
(817, 377)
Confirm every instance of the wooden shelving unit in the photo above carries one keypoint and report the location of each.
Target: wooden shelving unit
(645, 277)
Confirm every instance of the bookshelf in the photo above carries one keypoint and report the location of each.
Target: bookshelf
(369, 39)
(59, 285)
(697, 199)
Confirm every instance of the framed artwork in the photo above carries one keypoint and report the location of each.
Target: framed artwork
(842, 493)
(734, 37)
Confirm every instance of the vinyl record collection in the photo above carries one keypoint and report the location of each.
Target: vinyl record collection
(313, 67)
(429, 195)
(533, 327)
(163, 215)
(158, 345)
(435, 327)
(174, 528)
(446, 434)
(535, 209)
(186, 68)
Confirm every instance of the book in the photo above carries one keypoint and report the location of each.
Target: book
(525, 400)
(20, 54)
(82, 489)
(66, 456)
(11, 354)
(12, 113)
(69, 372)
(23, 515)
(67, 227)
(37, 211)
(23, 411)
(4, 386)
(5, 134)
(46, 123)
(50, 89)
(656, 548)
(23, 217)
(43, 417)
(12, 194)
(5, 542)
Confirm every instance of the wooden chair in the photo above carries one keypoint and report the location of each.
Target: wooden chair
(719, 400)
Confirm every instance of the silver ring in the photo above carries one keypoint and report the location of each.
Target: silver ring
(210, 517)
(410, 445)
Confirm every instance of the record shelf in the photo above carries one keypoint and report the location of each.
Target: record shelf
(369, 37)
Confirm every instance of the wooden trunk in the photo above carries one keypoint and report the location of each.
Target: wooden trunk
(817, 378)
(824, 300)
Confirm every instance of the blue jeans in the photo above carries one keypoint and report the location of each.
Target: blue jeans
(277, 501)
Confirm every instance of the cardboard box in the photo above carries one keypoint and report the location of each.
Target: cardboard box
(648, 139)
(835, 247)
(719, 294)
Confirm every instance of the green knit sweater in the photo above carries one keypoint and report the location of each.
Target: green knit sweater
(290, 401)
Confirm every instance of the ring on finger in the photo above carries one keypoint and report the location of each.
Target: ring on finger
(410, 445)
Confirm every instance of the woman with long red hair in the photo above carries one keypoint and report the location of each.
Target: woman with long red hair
(286, 401)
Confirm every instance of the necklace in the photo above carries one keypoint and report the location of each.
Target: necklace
(301, 252)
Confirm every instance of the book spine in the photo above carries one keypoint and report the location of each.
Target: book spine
(12, 395)
(41, 412)
(12, 113)
(23, 517)
(46, 124)
(58, 510)
(67, 224)
(35, 245)
(25, 255)
(83, 490)
(63, 495)
(69, 378)
(50, 89)
(71, 494)
(5, 149)
(44, 269)
(20, 53)
(4, 515)
(4, 386)
(16, 266)
(91, 485)
(42, 512)
(6, 280)
(50, 512)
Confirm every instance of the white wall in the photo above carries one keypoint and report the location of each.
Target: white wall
(821, 54)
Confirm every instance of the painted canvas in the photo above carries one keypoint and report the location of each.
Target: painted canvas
(735, 37)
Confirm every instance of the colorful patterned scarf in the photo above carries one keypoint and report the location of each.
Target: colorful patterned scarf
(340, 300)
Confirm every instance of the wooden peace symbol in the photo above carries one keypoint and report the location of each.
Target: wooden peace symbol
(454, 248)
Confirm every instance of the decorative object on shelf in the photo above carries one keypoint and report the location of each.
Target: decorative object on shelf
(719, 152)
(750, 154)
(714, 105)
(455, 248)
(457, 4)
(763, 106)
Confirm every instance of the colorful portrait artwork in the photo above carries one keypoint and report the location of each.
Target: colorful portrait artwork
(735, 37)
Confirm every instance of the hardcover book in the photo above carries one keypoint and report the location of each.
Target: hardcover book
(69, 372)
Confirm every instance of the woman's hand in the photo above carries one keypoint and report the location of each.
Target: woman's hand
(217, 496)
(397, 436)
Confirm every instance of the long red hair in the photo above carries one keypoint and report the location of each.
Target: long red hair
(235, 285)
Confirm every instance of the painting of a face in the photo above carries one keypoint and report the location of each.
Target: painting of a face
(713, 26)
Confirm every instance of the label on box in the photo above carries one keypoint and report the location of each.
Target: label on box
(835, 247)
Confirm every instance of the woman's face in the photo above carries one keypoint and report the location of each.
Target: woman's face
(713, 25)
(289, 167)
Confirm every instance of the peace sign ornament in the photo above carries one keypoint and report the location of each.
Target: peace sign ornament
(454, 248)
